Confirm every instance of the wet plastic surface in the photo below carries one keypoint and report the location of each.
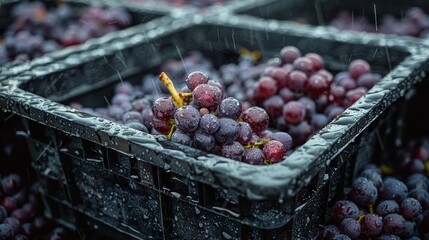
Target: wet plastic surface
(146, 186)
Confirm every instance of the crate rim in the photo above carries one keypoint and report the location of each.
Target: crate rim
(261, 182)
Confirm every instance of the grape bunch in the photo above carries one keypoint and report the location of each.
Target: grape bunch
(385, 206)
(36, 30)
(21, 212)
(130, 99)
(201, 117)
(301, 97)
(415, 23)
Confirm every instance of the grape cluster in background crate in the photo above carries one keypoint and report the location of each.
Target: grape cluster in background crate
(394, 17)
(37, 30)
(415, 23)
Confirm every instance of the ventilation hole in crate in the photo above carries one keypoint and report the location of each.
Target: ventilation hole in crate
(121, 165)
(69, 144)
(174, 184)
(226, 203)
(41, 132)
(206, 193)
(164, 179)
(156, 177)
(146, 172)
(134, 169)
(193, 190)
(179, 186)
(45, 159)
(93, 152)
(109, 155)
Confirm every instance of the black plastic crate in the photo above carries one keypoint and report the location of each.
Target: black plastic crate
(154, 15)
(322, 12)
(149, 187)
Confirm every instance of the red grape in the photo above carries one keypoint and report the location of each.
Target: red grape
(294, 112)
(297, 81)
(358, 67)
(196, 78)
(163, 108)
(257, 118)
(207, 96)
(289, 54)
(274, 151)
(267, 87)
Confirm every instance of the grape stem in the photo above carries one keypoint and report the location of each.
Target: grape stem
(360, 218)
(246, 53)
(386, 170)
(183, 95)
(267, 162)
(257, 144)
(170, 86)
(171, 132)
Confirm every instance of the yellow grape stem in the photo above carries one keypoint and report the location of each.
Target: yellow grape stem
(267, 162)
(170, 86)
(257, 144)
(170, 121)
(243, 52)
(360, 218)
(183, 95)
(255, 55)
(171, 132)
(386, 170)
